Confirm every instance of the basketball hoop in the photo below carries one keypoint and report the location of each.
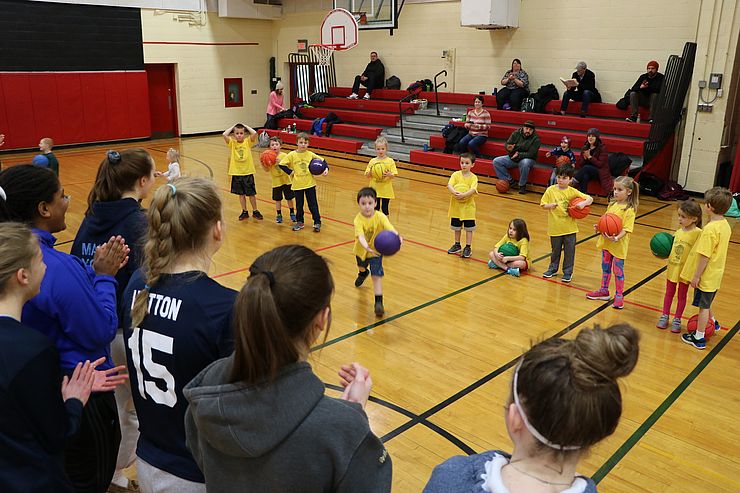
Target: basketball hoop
(323, 53)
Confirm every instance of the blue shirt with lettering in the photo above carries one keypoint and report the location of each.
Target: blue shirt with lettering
(188, 327)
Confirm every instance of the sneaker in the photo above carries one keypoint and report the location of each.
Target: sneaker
(717, 326)
(566, 278)
(455, 248)
(663, 322)
(297, 226)
(632, 119)
(257, 215)
(292, 216)
(690, 338)
(279, 218)
(513, 271)
(361, 278)
(506, 106)
(601, 294)
(244, 215)
(467, 252)
(676, 325)
(492, 265)
(379, 310)
(618, 303)
(352, 96)
(317, 228)
(366, 96)
(583, 115)
(522, 190)
(548, 274)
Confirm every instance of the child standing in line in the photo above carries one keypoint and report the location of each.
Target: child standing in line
(368, 223)
(561, 227)
(706, 263)
(241, 167)
(280, 183)
(45, 146)
(386, 167)
(303, 183)
(463, 185)
(518, 235)
(563, 150)
(689, 217)
(626, 197)
(173, 166)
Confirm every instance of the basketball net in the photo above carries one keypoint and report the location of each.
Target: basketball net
(323, 53)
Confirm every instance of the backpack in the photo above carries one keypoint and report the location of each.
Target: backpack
(393, 82)
(528, 105)
(447, 129)
(453, 137)
(416, 87)
(734, 211)
(544, 95)
(624, 103)
(428, 85)
(318, 123)
(263, 140)
(650, 184)
(318, 97)
(672, 191)
(619, 162)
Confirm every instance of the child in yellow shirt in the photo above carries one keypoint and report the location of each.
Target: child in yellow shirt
(384, 166)
(706, 263)
(561, 227)
(463, 185)
(241, 167)
(518, 235)
(626, 197)
(689, 217)
(280, 183)
(368, 223)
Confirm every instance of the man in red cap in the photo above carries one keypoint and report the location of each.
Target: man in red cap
(645, 91)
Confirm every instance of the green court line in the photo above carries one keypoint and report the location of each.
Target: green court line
(664, 406)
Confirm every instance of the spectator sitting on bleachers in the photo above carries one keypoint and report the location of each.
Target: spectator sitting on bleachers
(522, 146)
(516, 81)
(478, 121)
(645, 91)
(372, 78)
(593, 163)
(581, 87)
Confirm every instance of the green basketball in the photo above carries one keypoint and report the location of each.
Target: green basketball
(661, 244)
(508, 250)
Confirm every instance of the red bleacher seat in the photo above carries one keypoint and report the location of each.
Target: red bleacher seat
(384, 119)
(359, 131)
(332, 144)
(378, 106)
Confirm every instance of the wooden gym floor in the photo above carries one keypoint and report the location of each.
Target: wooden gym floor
(441, 357)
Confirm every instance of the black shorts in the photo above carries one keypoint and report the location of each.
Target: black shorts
(283, 191)
(702, 299)
(243, 185)
(456, 224)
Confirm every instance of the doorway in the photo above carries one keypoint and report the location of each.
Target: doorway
(162, 100)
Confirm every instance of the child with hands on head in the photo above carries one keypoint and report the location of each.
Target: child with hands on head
(241, 167)
(513, 265)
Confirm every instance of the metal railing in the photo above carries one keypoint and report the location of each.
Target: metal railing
(437, 86)
(401, 111)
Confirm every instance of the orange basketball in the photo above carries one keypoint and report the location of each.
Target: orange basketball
(610, 224)
(562, 161)
(574, 211)
(502, 186)
(708, 330)
(268, 158)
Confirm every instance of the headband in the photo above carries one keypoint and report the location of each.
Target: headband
(2, 194)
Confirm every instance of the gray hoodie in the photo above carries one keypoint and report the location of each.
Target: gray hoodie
(283, 437)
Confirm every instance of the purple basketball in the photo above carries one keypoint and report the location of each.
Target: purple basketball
(317, 166)
(387, 243)
(41, 160)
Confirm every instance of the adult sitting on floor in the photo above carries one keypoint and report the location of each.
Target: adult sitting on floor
(373, 77)
(581, 87)
(478, 121)
(644, 92)
(516, 81)
(593, 163)
(522, 146)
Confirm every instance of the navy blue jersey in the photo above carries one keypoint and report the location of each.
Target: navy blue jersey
(188, 327)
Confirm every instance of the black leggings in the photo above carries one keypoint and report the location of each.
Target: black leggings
(512, 96)
(382, 204)
(309, 195)
(90, 456)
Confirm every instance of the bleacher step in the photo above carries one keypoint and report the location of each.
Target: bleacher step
(398, 156)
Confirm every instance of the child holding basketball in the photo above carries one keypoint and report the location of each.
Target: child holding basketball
(173, 165)
(563, 155)
(518, 235)
(280, 182)
(706, 263)
(382, 170)
(241, 167)
(689, 217)
(45, 146)
(463, 185)
(561, 226)
(368, 223)
(625, 198)
(303, 183)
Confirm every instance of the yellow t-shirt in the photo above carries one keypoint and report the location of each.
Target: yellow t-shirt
(463, 209)
(369, 227)
(522, 245)
(712, 243)
(559, 222)
(279, 177)
(301, 178)
(384, 186)
(682, 243)
(619, 248)
(240, 162)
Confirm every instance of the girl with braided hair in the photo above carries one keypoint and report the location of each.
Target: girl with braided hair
(177, 321)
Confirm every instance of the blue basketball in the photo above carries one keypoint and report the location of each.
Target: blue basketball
(317, 166)
(387, 243)
(41, 160)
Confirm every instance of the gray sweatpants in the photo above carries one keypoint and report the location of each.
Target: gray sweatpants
(568, 244)
(153, 480)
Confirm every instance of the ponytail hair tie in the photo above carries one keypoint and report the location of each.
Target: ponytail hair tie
(114, 157)
(270, 276)
(173, 187)
(147, 287)
(2, 194)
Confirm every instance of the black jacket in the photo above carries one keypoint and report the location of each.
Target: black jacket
(654, 84)
(375, 71)
(586, 83)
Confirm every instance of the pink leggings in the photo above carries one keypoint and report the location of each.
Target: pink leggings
(670, 290)
(609, 262)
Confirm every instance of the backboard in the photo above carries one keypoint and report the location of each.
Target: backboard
(339, 29)
(371, 14)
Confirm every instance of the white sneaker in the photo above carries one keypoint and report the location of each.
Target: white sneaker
(352, 96)
(367, 96)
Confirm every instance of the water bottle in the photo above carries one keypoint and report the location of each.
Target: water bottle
(295, 128)
(495, 90)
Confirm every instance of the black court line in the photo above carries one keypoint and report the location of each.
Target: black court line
(62, 243)
(664, 406)
(503, 368)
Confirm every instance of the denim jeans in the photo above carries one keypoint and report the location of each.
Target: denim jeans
(471, 143)
(502, 164)
(584, 96)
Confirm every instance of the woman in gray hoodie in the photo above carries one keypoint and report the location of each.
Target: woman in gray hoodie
(258, 420)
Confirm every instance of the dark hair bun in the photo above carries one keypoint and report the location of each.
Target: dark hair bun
(603, 355)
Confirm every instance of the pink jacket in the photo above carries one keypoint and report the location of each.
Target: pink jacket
(274, 103)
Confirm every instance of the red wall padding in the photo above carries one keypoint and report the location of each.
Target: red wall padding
(73, 107)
